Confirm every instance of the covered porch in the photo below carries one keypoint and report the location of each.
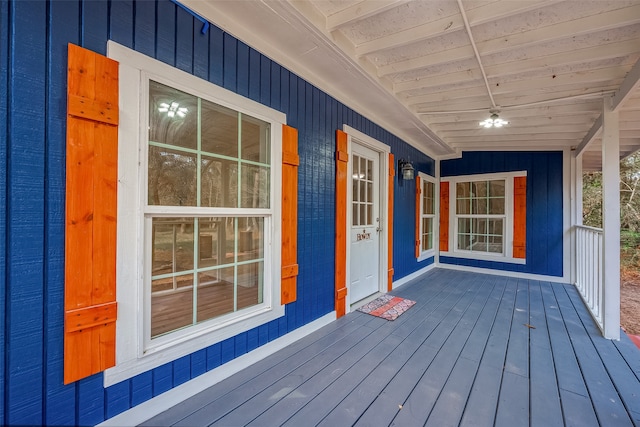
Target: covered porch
(475, 350)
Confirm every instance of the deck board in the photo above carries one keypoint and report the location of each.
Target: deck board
(475, 350)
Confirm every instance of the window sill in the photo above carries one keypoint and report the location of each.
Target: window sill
(484, 257)
(426, 255)
(130, 368)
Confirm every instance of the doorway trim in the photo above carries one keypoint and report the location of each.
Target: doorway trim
(383, 150)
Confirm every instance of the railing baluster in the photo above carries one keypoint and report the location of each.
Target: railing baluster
(589, 269)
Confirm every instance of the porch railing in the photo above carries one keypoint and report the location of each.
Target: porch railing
(589, 269)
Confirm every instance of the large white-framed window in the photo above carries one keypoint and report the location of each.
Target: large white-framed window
(198, 214)
(481, 216)
(427, 223)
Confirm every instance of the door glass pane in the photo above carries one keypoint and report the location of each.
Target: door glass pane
(356, 214)
(173, 116)
(355, 192)
(370, 170)
(363, 214)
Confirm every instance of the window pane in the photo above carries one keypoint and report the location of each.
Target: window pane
(479, 189)
(363, 215)
(479, 225)
(255, 186)
(369, 214)
(495, 227)
(479, 206)
(463, 189)
(427, 234)
(428, 189)
(369, 170)
(250, 238)
(495, 244)
(463, 206)
(464, 242)
(464, 225)
(216, 241)
(173, 116)
(219, 130)
(255, 140)
(219, 186)
(171, 177)
(496, 188)
(369, 192)
(172, 245)
(363, 191)
(428, 198)
(250, 283)
(172, 310)
(215, 293)
(363, 168)
(496, 206)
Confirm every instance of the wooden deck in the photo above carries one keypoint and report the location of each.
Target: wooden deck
(475, 350)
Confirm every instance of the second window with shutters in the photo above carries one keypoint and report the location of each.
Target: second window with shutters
(487, 217)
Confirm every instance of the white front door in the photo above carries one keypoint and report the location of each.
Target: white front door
(366, 223)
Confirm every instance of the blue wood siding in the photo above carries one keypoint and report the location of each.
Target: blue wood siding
(33, 65)
(544, 205)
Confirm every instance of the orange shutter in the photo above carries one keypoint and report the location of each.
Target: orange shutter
(90, 235)
(342, 159)
(519, 216)
(444, 216)
(418, 203)
(392, 174)
(290, 162)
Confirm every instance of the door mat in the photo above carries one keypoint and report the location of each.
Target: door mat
(387, 306)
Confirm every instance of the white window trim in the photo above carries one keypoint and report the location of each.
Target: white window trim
(507, 256)
(435, 223)
(131, 356)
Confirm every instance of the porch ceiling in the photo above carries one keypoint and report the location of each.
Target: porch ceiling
(429, 71)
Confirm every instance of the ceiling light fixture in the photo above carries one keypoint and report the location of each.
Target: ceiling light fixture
(493, 122)
(173, 109)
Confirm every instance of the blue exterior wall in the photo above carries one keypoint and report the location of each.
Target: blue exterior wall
(33, 67)
(544, 205)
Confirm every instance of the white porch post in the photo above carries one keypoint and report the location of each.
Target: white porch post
(611, 220)
(576, 209)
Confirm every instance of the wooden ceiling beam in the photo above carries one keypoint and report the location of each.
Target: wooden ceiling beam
(359, 11)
